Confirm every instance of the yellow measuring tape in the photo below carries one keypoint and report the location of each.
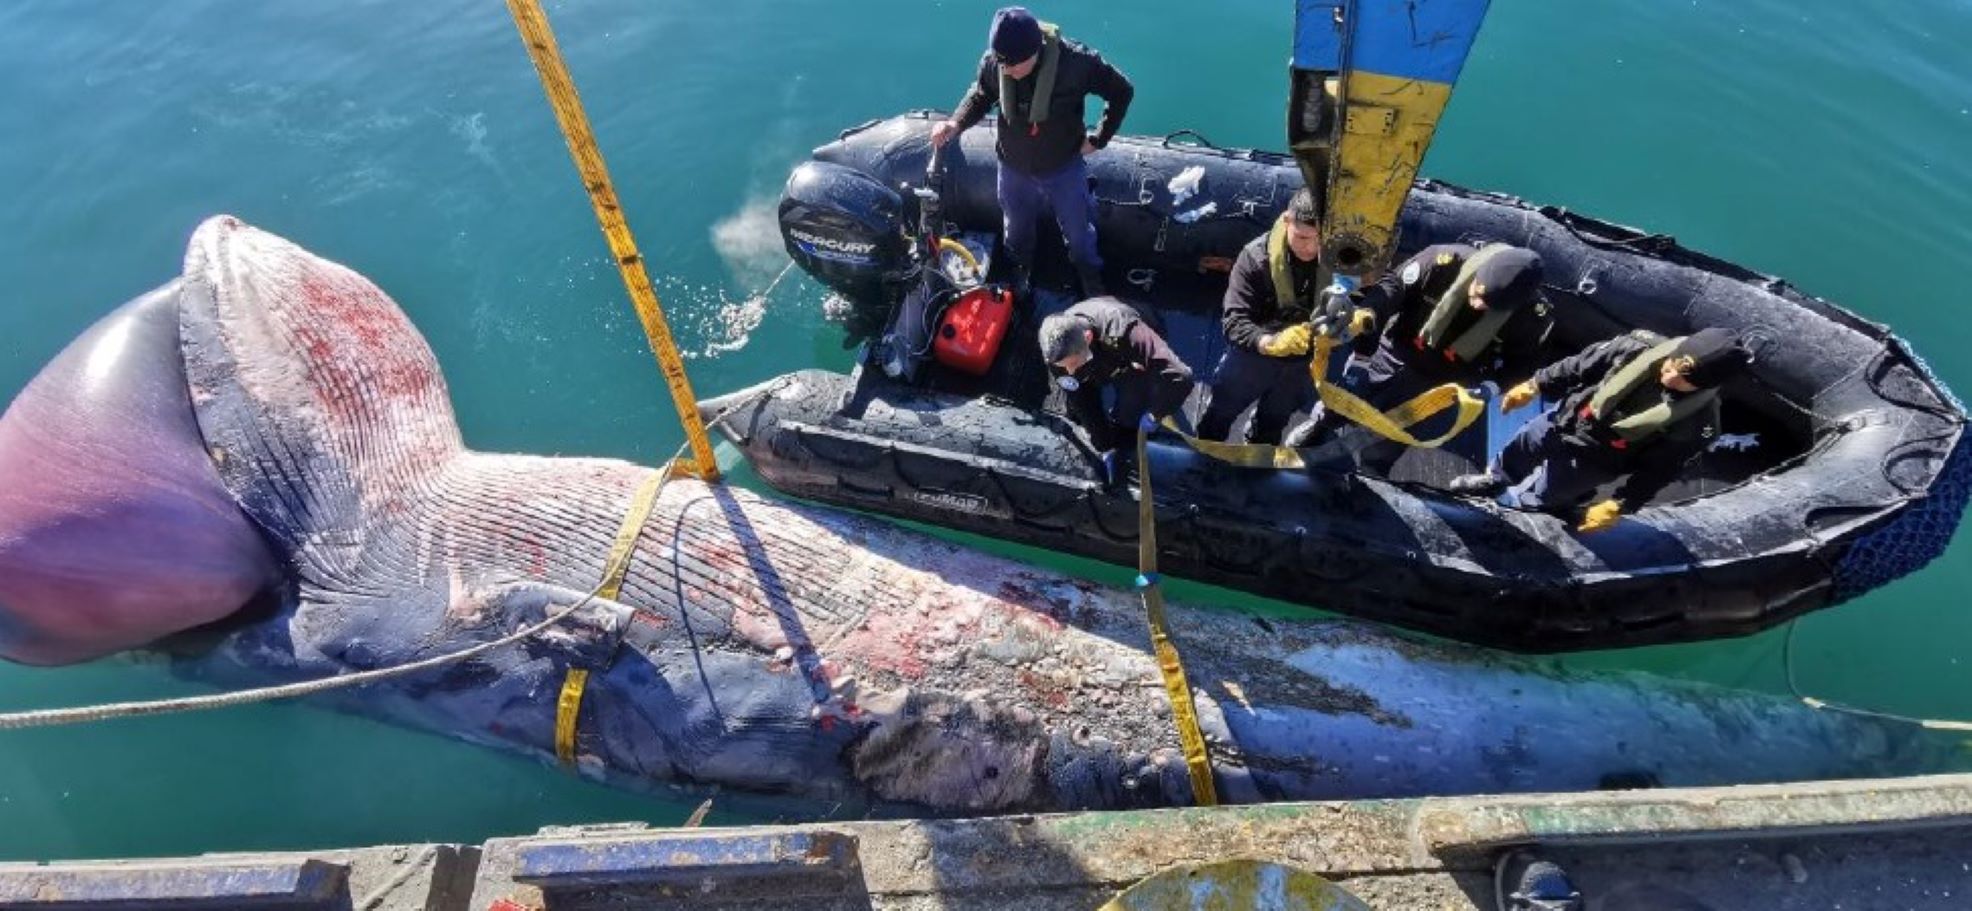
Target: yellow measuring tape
(569, 705)
(1175, 686)
(540, 42)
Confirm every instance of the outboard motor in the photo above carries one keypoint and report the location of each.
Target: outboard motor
(847, 230)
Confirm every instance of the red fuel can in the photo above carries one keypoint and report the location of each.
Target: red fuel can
(970, 333)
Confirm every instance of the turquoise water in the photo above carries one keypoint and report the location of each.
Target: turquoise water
(1822, 142)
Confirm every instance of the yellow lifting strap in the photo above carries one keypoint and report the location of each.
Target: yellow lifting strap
(1175, 686)
(1394, 424)
(569, 705)
(566, 709)
(540, 42)
(1244, 455)
(625, 544)
(1390, 424)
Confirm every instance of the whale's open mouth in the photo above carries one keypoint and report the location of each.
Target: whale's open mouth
(157, 466)
(114, 526)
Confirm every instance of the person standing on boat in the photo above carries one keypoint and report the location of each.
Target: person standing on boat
(1636, 405)
(1270, 300)
(1105, 343)
(1040, 81)
(1453, 313)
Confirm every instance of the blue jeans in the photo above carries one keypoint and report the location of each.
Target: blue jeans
(1065, 193)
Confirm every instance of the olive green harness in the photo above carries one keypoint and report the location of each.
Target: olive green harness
(1037, 109)
(1477, 337)
(1629, 405)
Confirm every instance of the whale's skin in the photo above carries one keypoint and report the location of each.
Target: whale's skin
(784, 649)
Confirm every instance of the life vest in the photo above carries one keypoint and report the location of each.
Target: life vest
(1039, 108)
(1629, 406)
(1451, 304)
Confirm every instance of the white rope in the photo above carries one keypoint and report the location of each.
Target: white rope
(50, 717)
(1787, 664)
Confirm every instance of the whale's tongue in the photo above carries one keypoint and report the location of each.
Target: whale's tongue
(115, 529)
(269, 402)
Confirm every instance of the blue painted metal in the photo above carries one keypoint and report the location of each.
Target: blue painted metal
(819, 859)
(306, 885)
(1413, 39)
(1317, 42)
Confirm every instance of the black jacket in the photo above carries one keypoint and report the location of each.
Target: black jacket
(1252, 309)
(1058, 140)
(1125, 349)
(1650, 463)
(1402, 309)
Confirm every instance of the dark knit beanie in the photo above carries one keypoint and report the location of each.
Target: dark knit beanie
(1716, 356)
(1510, 279)
(1016, 34)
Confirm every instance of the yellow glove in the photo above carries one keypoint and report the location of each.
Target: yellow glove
(1600, 516)
(1362, 321)
(1518, 396)
(1289, 342)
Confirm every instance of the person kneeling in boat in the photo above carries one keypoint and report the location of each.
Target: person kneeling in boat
(1636, 405)
(1103, 342)
(1041, 81)
(1270, 299)
(1453, 313)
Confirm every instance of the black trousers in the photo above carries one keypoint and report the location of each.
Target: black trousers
(1280, 385)
(1382, 390)
(1549, 470)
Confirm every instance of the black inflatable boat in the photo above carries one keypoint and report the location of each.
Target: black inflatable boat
(1841, 465)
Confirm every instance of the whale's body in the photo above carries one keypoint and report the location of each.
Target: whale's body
(295, 469)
